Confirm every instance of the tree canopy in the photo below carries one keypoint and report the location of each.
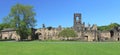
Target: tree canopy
(67, 33)
(108, 27)
(21, 18)
(4, 25)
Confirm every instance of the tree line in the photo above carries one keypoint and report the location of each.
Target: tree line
(108, 27)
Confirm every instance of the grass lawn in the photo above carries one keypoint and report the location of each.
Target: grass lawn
(59, 48)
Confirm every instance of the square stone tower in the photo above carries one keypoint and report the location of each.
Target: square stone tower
(77, 22)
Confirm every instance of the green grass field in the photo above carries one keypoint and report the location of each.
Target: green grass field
(59, 48)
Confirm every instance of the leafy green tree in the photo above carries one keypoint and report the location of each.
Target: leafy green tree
(1, 26)
(113, 25)
(22, 19)
(49, 28)
(6, 20)
(102, 28)
(4, 25)
(67, 33)
(108, 27)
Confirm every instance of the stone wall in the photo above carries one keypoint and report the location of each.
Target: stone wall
(116, 36)
(10, 35)
(105, 34)
(45, 34)
(0, 35)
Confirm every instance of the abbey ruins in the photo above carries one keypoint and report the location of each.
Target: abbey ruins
(84, 32)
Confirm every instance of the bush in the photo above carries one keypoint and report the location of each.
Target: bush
(66, 33)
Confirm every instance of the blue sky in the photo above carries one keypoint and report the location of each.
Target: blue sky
(60, 12)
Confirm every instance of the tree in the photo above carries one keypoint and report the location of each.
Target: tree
(103, 28)
(6, 20)
(113, 25)
(108, 27)
(50, 27)
(67, 33)
(4, 25)
(22, 19)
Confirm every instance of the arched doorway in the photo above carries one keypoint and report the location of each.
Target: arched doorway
(111, 33)
(40, 37)
(86, 38)
(36, 36)
(118, 39)
(5, 38)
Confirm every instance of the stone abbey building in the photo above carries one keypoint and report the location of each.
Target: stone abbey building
(84, 33)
